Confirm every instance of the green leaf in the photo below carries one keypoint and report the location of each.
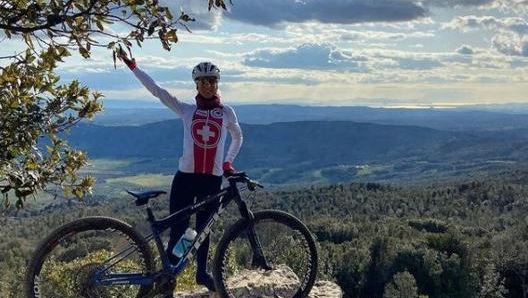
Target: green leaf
(99, 25)
(28, 40)
(84, 52)
(172, 36)
(152, 27)
(79, 5)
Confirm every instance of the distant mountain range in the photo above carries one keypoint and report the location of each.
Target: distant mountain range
(464, 118)
(411, 144)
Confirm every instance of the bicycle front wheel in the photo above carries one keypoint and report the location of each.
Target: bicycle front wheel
(287, 266)
(90, 257)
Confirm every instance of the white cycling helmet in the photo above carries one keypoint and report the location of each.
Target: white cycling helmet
(205, 69)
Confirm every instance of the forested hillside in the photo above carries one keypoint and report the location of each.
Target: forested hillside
(319, 151)
(456, 240)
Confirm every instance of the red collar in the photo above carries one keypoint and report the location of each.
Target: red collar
(208, 103)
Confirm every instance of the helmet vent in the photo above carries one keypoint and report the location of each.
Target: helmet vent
(205, 69)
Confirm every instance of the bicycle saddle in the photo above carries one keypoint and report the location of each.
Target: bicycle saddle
(142, 197)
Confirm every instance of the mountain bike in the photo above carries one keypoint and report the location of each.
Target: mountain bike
(106, 257)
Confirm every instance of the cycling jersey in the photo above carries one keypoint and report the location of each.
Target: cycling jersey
(204, 131)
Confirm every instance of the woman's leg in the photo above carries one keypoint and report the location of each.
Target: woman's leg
(209, 185)
(181, 196)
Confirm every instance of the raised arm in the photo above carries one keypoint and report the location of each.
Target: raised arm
(162, 94)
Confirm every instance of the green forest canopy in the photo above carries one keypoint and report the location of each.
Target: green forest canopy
(456, 240)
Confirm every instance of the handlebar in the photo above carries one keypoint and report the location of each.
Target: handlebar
(242, 177)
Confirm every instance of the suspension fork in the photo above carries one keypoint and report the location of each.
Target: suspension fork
(259, 259)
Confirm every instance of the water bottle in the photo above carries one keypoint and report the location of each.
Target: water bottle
(184, 243)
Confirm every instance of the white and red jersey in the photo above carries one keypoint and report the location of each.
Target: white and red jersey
(204, 131)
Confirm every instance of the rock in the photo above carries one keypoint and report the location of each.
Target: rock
(280, 282)
(325, 289)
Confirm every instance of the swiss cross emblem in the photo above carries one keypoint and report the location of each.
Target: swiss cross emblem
(206, 134)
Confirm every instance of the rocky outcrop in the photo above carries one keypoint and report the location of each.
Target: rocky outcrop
(269, 284)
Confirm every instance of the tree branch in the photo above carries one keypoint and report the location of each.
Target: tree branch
(51, 19)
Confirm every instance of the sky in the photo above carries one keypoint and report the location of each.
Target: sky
(379, 53)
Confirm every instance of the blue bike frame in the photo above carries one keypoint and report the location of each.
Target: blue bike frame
(222, 198)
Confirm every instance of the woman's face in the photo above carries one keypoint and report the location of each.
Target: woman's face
(207, 86)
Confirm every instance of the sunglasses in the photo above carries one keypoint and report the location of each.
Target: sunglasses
(207, 81)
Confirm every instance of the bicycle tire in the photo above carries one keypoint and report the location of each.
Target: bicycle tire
(63, 262)
(288, 246)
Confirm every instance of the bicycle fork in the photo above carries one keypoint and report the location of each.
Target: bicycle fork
(259, 259)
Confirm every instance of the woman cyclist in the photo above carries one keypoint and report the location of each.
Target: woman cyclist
(206, 123)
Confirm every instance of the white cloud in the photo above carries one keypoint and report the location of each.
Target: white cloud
(515, 7)
(465, 50)
(307, 56)
(511, 44)
(510, 33)
(464, 23)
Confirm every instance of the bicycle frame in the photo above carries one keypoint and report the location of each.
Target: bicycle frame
(158, 226)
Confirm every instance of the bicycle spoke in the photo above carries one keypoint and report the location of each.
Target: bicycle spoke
(87, 261)
(285, 247)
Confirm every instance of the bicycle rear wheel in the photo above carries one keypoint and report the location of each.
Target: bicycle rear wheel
(65, 263)
(289, 250)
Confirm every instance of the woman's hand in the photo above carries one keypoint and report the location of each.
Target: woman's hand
(122, 55)
(228, 169)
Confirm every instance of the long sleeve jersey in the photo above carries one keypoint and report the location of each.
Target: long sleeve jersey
(204, 131)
